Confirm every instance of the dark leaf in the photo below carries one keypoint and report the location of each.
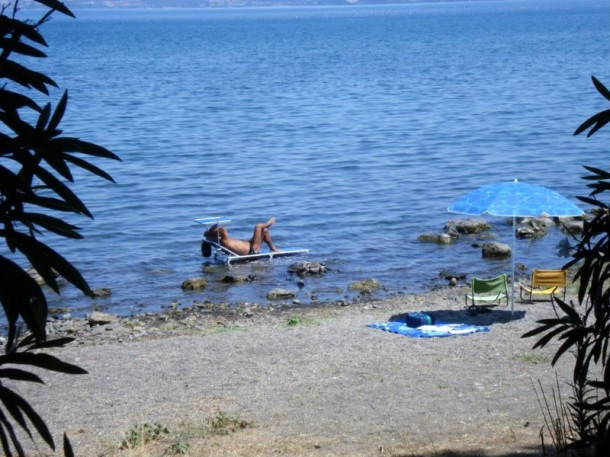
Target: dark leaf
(11, 404)
(569, 311)
(41, 360)
(20, 127)
(25, 77)
(56, 160)
(12, 101)
(57, 343)
(21, 295)
(50, 203)
(62, 191)
(68, 452)
(538, 330)
(567, 344)
(9, 397)
(56, 5)
(66, 144)
(20, 48)
(4, 440)
(548, 337)
(52, 224)
(19, 375)
(40, 255)
(599, 173)
(19, 28)
(44, 117)
(88, 166)
(6, 425)
(601, 88)
(59, 112)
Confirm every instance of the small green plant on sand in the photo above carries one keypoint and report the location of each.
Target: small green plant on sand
(178, 448)
(533, 358)
(223, 424)
(142, 434)
(295, 320)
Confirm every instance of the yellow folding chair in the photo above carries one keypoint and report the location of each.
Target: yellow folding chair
(487, 292)
(545, 283)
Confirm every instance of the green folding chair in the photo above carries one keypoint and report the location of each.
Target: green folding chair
(485, 293)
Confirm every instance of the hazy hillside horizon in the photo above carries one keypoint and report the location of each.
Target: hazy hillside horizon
(76, 4)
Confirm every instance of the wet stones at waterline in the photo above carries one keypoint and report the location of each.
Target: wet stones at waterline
(494, 250)
(305, 268)
(366, 286)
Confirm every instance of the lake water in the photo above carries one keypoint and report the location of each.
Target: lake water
(355, 126)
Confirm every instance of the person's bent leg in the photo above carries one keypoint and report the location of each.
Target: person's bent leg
(261, 233)
(267, 239)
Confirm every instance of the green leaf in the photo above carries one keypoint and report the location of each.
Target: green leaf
(19, 375)
(59, 112)
(41, 360)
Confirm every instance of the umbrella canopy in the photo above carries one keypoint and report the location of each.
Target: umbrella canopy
(515, 199)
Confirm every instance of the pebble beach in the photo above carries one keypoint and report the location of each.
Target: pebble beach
(308, 381)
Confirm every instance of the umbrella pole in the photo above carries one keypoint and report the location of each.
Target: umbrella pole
(512, 257)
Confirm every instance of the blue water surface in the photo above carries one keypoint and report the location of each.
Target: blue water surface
(355, 126)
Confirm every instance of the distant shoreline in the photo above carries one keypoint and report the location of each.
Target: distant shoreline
(221, 4)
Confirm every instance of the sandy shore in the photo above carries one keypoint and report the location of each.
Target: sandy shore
(311, 382)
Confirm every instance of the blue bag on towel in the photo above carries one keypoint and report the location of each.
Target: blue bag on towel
(418, 319)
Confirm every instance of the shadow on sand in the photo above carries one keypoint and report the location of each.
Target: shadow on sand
(452, 316)
(522, 452)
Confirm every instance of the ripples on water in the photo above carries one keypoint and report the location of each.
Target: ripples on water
(356, 127)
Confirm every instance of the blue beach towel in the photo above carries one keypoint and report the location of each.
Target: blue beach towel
(429, 331)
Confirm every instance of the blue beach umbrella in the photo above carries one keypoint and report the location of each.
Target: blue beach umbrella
(515, 199)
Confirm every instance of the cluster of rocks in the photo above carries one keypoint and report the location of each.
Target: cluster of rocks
(528, 228)
(301, 268)
(202, 317)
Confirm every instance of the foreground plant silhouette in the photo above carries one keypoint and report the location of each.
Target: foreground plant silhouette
(35, 163)
(584, 328)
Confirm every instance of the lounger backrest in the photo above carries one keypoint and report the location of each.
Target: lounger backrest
(487, 286)
(549, 278)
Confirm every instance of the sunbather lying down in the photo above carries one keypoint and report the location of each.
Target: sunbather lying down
(219, 234)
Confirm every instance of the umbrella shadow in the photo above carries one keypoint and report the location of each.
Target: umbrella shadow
(463, 316)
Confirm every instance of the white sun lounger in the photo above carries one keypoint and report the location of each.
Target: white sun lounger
(222, 253)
